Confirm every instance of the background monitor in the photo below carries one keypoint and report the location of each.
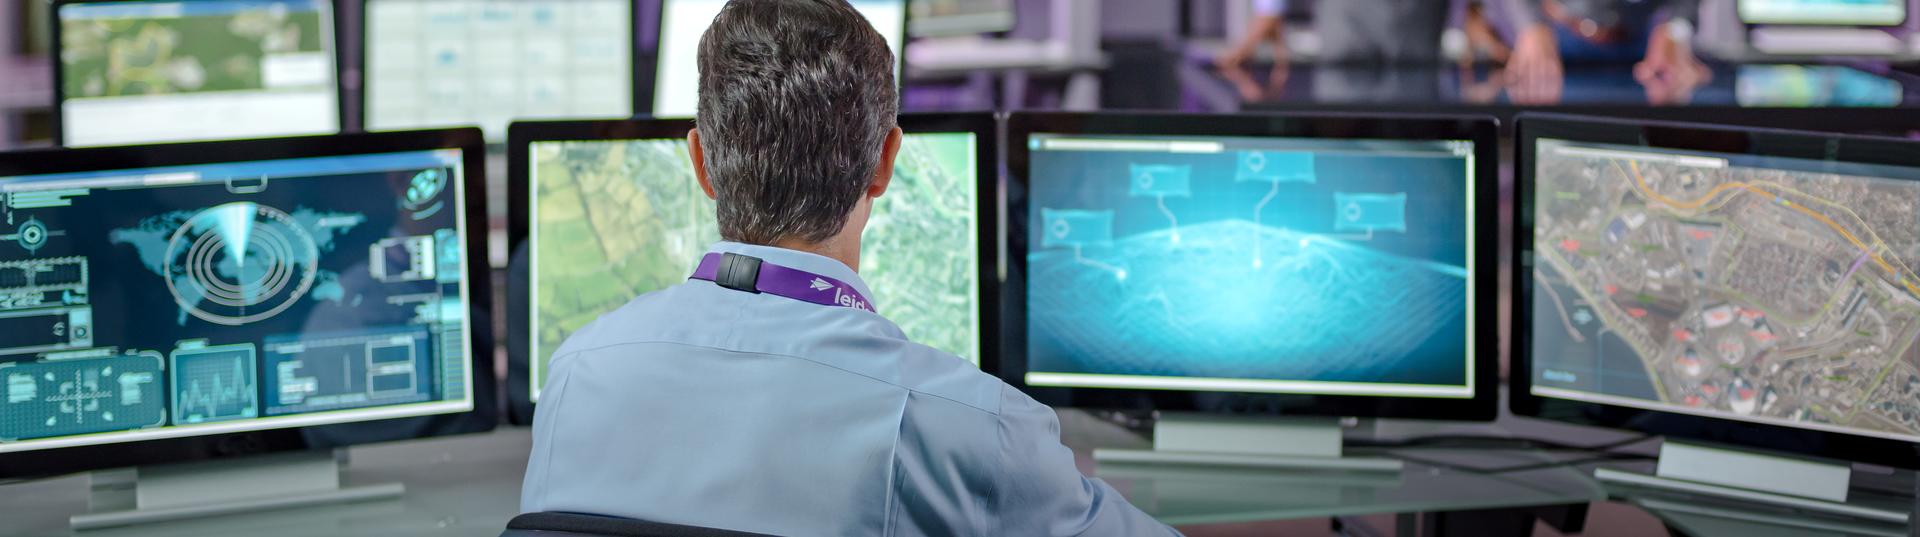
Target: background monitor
(1824, 12)
(1748, 286)
(1330, 265)
(676, 92)
(439, 63)
(928, 18)
(186, 301)
(602, 212)
(132, 72)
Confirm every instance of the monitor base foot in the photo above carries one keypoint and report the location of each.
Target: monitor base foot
(221, 487)
(1245, 441)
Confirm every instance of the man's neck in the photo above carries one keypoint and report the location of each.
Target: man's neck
(839, 248)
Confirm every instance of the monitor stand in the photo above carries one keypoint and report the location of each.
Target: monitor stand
(1258, 442)
(1697, 469)
(170, 492)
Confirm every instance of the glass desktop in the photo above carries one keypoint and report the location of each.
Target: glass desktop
(614, 219)
(170, 71)
(438, 63)
(676, 90)
(145, 304)
(1265, 265)
(1759, 289)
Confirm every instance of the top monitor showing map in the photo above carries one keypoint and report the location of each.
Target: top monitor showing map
(439, 63)
(134, 72)
(605, 211)
(1755, 276)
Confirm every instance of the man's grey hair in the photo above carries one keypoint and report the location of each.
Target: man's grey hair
(796, 101)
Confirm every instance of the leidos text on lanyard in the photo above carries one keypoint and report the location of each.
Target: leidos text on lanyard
(752, 275)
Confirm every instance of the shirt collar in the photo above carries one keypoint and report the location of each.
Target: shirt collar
(795, 259)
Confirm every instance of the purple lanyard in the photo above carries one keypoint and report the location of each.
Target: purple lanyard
(750, 274)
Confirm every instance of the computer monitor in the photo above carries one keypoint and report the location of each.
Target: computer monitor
(145, 71)
(601, 212)
(1719, 284)
(676, 91)
(1330, 266)
(440, 63)
(932, 18)
(1824, 12)
(179, 302)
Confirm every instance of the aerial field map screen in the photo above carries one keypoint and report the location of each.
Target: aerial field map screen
(1251, 265)
(138, 72)
(616, 219)
(165, 302)
(1754, 288)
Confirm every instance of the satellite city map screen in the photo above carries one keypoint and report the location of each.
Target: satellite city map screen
(1271, 265)
(438, 63)
(676, 91)
(614, 219)
(1752, 288)
(167, 302)
(167, 71)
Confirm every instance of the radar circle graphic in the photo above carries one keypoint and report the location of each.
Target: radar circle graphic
(239, 263)
(32, 235)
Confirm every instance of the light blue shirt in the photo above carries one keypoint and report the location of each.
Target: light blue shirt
(705, 406)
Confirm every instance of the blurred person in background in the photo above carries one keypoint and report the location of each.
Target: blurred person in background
(1366, 32)
(1656, 35)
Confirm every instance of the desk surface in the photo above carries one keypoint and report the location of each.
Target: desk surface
(470, 485)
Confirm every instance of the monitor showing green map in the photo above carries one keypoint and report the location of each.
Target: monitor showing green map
(172, 71)
(614, 219)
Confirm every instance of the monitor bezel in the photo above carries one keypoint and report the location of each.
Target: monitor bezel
(483, 417)
(59, 129)
(1530, 128)
(641, 91)
(1482, 131)
(521, 135)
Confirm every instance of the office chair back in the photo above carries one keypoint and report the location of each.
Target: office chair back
(583, 525)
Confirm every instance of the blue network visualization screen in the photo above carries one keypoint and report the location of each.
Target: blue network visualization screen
(166, 302)
(1267, 265)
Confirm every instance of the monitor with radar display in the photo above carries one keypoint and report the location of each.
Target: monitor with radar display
(602, 212)
(1183, 262)
(134, 72)
(1824, 12)
(440, 63)
(1712, 278)
(676, 91)
(185, 301)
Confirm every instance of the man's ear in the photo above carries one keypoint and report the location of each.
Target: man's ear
(884, 176)
(700, 161)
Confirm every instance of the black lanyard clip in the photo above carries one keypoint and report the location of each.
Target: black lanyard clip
(739, 273)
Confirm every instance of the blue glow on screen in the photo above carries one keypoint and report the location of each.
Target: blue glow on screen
(1267, 260)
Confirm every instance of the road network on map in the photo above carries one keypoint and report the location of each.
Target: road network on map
(1753, 292)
